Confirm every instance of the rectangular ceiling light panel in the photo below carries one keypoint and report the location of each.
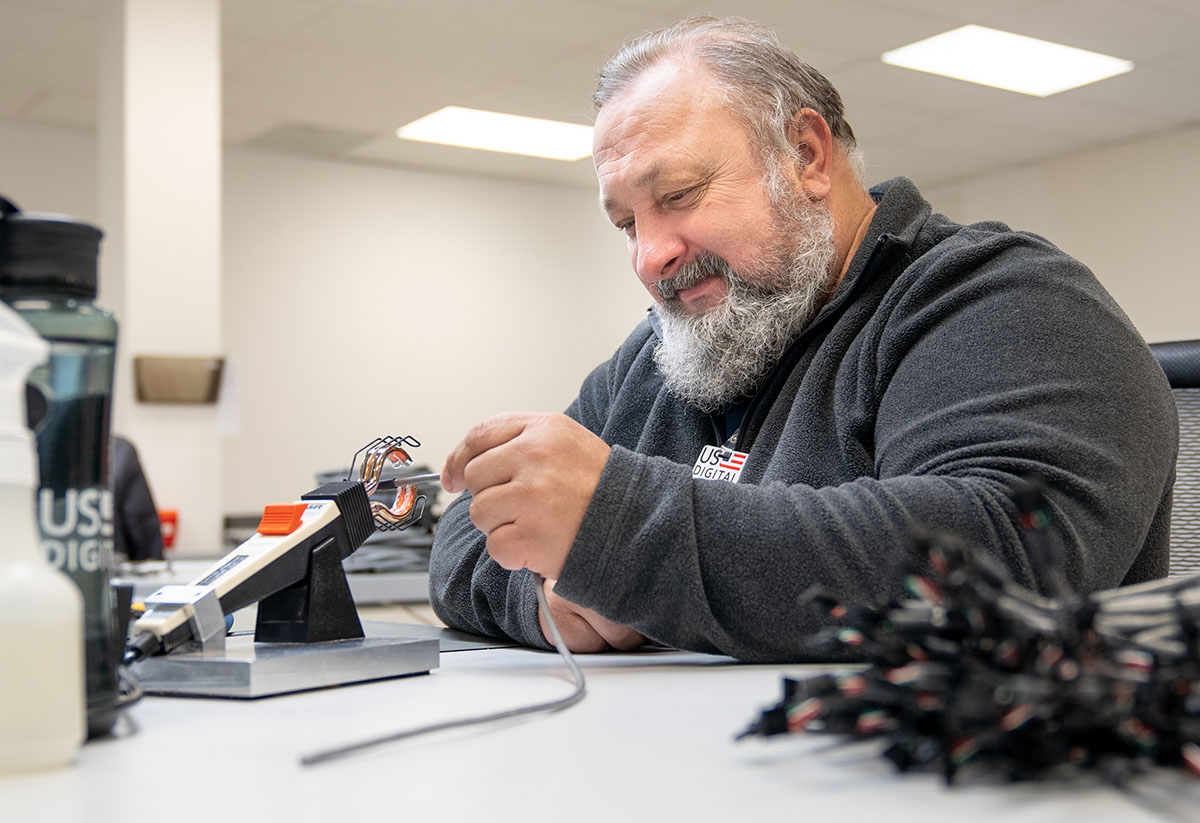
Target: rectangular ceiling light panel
(1009, 61)
(494, 131)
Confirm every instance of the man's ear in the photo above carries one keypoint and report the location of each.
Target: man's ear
(810, 138)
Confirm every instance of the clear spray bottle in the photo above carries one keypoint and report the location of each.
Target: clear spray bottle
(42, 694)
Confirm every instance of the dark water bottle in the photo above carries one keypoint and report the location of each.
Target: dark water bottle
(48, 274)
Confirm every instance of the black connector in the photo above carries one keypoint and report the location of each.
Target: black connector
(144, 645)
(979, 672)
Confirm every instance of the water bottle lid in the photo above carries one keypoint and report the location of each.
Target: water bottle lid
(46, 253)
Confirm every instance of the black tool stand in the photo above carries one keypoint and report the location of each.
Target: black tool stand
(307, 636)
(318, 608)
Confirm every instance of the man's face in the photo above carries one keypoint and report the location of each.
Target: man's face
(737, 266)
(680, 176)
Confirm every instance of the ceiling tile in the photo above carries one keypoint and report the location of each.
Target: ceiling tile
(240, 124)
(873, 82)
(306, 137)
(366, 66)
(354, 30)
(877, 124)
(61, 30)
(236, 52)
(14, 100)
(1087, 125)
(467, 30)
(1188, 8)
(1121, 28)
(850, 26)
(76, 110)
(991, 139)
(493, 164)
(91, 8)
(669, 9)
(969, 11)
(1168, 92)
(360, 92)
(530, 101)
(574, 72)
(926, 165)
(44, 69)
(268, 19)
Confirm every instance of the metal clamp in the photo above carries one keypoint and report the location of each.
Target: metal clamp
(203, 609)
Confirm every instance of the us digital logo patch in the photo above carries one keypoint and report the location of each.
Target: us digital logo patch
(719, 463)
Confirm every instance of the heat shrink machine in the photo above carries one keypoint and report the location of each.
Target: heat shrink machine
(307, 632)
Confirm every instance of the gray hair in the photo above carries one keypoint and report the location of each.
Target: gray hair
(766, 83)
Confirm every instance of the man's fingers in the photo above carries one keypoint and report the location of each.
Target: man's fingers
(484, 435)
(492, 468)
(508, 545)
(493, 506)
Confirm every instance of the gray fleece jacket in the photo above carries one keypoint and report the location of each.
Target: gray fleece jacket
(952, 362)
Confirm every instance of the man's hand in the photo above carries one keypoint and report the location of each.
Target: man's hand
(531, 477)
(582, 629)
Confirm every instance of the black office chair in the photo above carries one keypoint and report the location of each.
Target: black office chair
(1181, 362)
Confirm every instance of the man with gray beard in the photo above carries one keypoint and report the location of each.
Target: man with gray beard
(826, 370)
(716, 357)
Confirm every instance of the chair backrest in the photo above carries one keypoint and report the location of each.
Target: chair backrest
(1181, 362)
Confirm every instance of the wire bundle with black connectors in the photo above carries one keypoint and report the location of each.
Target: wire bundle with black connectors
(975, 670)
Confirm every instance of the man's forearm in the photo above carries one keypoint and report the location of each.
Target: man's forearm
(470, 592)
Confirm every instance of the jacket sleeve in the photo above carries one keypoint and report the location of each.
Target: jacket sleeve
(1007, 364)
(471, 592)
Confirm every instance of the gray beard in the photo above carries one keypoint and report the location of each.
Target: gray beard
(722, 355)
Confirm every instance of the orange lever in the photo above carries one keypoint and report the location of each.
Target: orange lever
(281, 518)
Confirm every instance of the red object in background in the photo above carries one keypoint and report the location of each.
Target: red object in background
(168, 521)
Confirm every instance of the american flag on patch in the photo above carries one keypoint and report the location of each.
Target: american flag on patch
(731, 460)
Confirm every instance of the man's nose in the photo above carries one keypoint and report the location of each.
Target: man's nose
(659, 252)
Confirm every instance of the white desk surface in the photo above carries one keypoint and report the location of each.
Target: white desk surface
(652, 740)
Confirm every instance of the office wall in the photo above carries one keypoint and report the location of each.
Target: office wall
(1127, 211)
(364, 301)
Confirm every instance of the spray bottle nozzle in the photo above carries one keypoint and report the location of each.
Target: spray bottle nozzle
(21, 350)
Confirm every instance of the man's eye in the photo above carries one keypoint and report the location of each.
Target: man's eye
(680, 196)
(626, 226)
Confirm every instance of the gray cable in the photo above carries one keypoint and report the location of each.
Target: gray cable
(574, 697)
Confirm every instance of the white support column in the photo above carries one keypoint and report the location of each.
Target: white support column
(160, 208)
